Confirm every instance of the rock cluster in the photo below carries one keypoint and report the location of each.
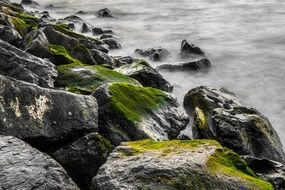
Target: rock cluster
(74, 117)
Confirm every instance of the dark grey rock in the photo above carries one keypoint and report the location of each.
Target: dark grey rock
(73, 18)
(104, 36)
(43, 117)
(102, 58)
(97, 31)
(83, 158)
(83, 54)
(220, 116)
(112, 43)
(201, 65)
(187, 49)
(146, 75)
(29, 2)
(23, 66)
(85, 28)
(10, 35)
(104, 13)
(24, 167)
(155, 54)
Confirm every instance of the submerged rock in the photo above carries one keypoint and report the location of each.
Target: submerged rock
(43, 117)
(23, 167)
(176, 165)
(128, 112)
(155, 54)
(104, 13)
(199, 65)
(29, 2)
(187, 49)
(146, 75)
(23, 66)
(86, 79)
(220, 116)
(82, 158)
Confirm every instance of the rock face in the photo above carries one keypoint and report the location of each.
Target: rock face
(199, 65)
(86, 79)
(23, 66)
(128, 112)
(269, 170)
(187, 49)
(10, 35)
(220, 116)
(146, 75)
(175, 165)
(23, 167)
(44, 117)
(104, 13)
(37, 44)
(155, 54)
(83, 158)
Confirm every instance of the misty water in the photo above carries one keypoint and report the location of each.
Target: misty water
(244, 40)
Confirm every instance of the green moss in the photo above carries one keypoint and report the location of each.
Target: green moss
(84, 78)
(104, 144)
(229, 163)
(167, 147)
(29, 19)
(20, 25)
(62, 55)
(134, 102)
(129, 69)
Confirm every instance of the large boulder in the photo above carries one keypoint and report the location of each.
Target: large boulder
(220, 116)
(271, 171)
(10, 35)
(155, 54)
(86, 79)
(23, 66)
(199, 65)
(176, 165)
(128, 112)
(146, 75)
(84, 157)
(24, 167)
(43, 117)
(37, 44)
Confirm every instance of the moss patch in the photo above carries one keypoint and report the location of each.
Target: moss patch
(229, 163)
(62, 56)
(84, 78)
(104, 144)
(129, 69)
(20, 25)
(134, 102)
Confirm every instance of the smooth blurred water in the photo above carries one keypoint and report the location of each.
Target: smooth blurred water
(244, 39)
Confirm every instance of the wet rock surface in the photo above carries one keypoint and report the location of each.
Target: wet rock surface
(155, 54)
(199, 65)
(24, 167)
(43, 117)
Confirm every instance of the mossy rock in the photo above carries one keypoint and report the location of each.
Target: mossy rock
(175, 165)
(132, 112)
(80, 78)
(62, 55)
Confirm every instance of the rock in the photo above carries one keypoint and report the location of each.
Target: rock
(220, 116)
(73, 18)
(10, 35)
(83, 54)
(23, 66)
(97, 31)
(42, 117)
(200, 65)
(104, 13)
(71, 25)
(83, 158)
(155, 54)
(187, 49)
(112, 43)
(102, 58)
(271, 171)
(85, 28)
(146, 75)
(29, 2)
(86, 79)
(175, 165)
(128, 112)
(23, 167)
(81, 13)
(59, 38)
(123, 60)
(104, 36)
(37, 44)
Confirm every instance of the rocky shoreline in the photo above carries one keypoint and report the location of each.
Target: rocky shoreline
(74, 117)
